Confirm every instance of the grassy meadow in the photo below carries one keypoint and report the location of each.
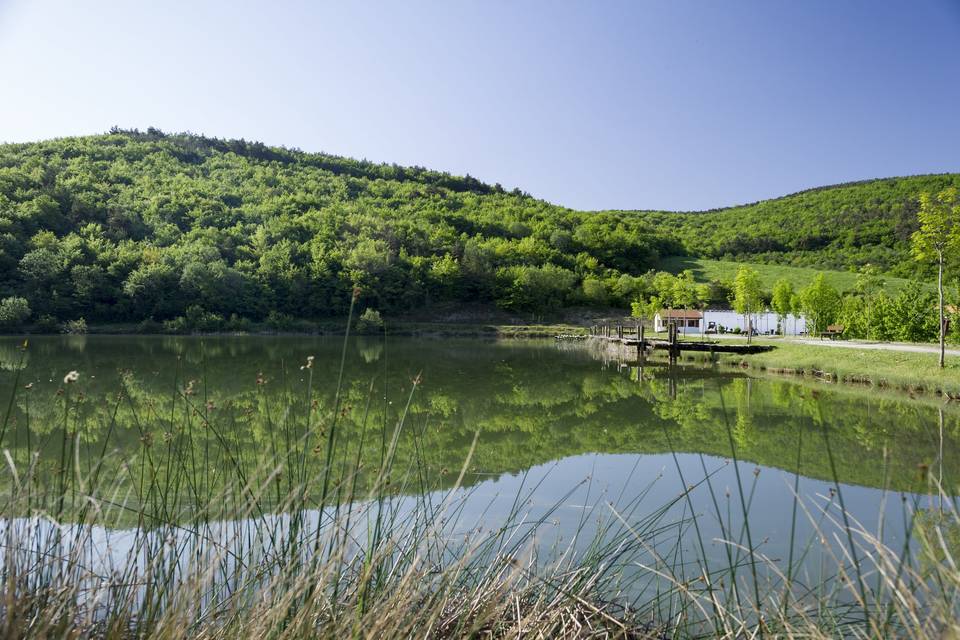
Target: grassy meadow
(706, 270)
(902, 370)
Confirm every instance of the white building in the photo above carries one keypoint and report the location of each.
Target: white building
(726, 321)
(687, 320)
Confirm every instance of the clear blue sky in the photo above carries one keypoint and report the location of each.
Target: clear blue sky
(590, 104)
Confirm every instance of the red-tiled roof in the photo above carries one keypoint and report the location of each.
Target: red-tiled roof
(681, 314)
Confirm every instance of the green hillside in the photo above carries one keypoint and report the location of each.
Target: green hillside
(841, 227)
(181, 232)
(134, 226)
(707, 270)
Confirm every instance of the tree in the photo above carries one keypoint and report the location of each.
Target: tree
(782, 301)
(644, 310)
(936, 240)
(747, 295)
(796, 309)
(595, 292)
(869, 280)
(536, 289)
(14, 311)
(821, 303)
(685, 290)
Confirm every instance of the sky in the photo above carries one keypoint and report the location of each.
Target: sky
(596, 104)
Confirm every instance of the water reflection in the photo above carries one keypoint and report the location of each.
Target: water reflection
(233, 401)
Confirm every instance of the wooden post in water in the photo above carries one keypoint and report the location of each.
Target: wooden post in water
(641, 347)
(672, 338)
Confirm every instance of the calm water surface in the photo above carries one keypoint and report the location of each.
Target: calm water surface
(571, 439)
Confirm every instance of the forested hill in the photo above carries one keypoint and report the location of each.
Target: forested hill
(138, 226)
(840, 227)
(129, 226)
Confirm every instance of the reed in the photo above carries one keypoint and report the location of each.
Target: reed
(302, 540)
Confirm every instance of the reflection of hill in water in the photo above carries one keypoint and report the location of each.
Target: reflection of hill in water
(531, 403)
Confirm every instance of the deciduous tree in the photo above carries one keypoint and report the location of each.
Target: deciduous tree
(782, 301)
(747, 295)
(937, 240)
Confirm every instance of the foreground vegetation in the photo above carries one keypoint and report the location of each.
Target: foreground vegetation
(134, 506)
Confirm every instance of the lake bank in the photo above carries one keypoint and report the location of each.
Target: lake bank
(911, 372)
(338, 328)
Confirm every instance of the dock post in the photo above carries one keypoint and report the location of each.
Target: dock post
(641, 349)
(672, 337)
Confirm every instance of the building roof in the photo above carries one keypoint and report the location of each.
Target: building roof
(681, 314)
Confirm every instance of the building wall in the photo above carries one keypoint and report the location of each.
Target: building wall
(762, 322)
(660, 324)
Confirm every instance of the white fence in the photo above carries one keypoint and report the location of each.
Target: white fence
(763, 323)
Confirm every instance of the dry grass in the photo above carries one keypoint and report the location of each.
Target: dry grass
(88, 555)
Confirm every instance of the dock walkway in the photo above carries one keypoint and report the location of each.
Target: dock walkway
(673, 345)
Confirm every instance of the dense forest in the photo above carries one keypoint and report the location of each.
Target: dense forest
(135, 226)
(203, 233)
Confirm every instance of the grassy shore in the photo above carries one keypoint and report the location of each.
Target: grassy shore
(903, 370)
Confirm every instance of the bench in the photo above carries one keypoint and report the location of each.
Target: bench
(833, 331)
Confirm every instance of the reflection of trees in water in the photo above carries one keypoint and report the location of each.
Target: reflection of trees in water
(370, 349)
(247, 399)
(13, 357)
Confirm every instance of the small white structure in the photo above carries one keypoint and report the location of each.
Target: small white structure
(687, 320)
(718, 321)
(763, 323)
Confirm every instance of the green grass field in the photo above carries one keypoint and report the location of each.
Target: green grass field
(911, 372)
(705, 270)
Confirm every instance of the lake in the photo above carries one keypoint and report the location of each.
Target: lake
(551, 439)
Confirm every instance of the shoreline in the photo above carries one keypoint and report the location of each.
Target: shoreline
(913, 373)
(909, 371)
(411, 329)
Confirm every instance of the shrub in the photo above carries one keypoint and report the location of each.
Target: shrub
(369, 321)
(14, 311)
(74, 327)
(239, 324)
(278, 321)
(177, 325)
(199, 319)
(47, 324)
(149, 325)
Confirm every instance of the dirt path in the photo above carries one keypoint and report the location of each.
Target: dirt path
(881, 346)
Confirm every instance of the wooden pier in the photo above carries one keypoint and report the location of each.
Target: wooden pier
(672, 345)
